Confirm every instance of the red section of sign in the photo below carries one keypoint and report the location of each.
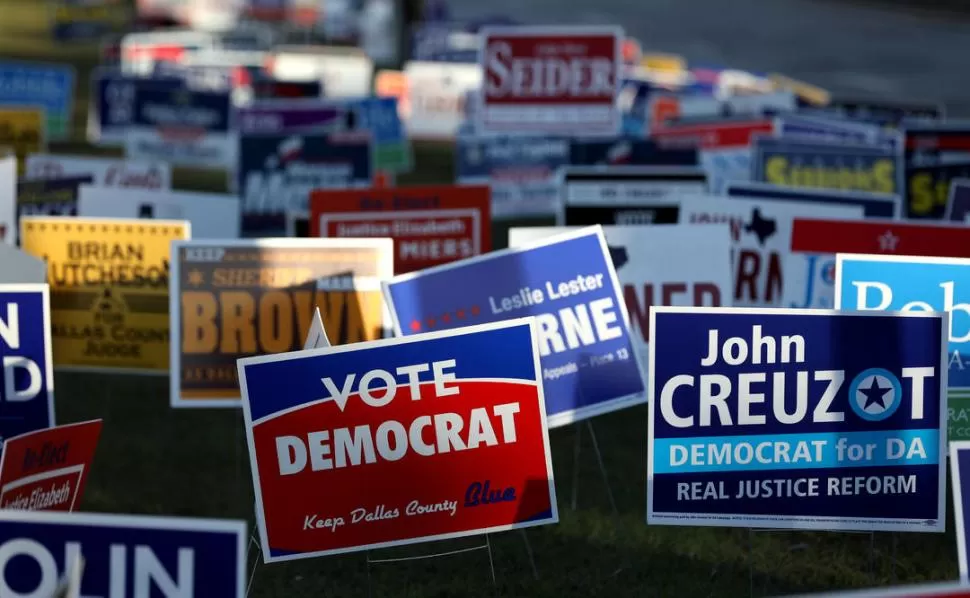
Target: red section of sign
(159, 53)
(429, 225)
(550, 79)
(442, 483)
(46, 470)
(710, 135)
(921, 140)
(874, 236)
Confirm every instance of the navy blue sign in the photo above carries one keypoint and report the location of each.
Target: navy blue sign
(874, 205)
(49, 197)
(26, 369)
(277, 173)
(444, 42)
(520, 170)
(928, 189)
(871, 168)
(123, 555)
(959, 203)
(801, 419)
(960, 472)
(637, 152)
(112, 108)
(568, 283)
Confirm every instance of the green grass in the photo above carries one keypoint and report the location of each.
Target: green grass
(155, 460)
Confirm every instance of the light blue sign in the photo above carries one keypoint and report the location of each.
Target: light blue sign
(50, 86)
(906, 283)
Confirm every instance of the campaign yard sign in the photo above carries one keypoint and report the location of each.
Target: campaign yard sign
(589, 362)
(27, 390)
(104, 172)
(521, 171)
(19, 267)
(235, 299)
(851, 167)
(434, 436)
(700, 274)
(550, 80)
(210, 215)
(958, 206)
(907, 283)
(960, 472)
(46, 470)
(797, 419)
(49, 197)
(874, 205)
(928, 188)
(109, 281)
(762, 235)
(24, 130)
(430, 225)
(433, 104)
(47, 86)
(123, 555)
(111, 106)
(277, 172)
(182, 127)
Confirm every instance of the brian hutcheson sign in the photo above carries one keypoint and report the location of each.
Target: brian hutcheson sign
(123, 555)
(905, 283)
(797, 419)
(545, 80)
(234, 299)
(589, 361)
(459, 414)
(27, 375)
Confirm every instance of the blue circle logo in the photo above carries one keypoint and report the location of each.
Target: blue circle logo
(875, 394)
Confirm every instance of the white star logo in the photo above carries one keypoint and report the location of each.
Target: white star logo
(888, 241)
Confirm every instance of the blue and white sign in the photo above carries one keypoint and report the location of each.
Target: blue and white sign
(843, 166)
(50, 86)
(874, 205)
(625, 150)
(26, 373)
(960, 472)
(797, 419)
(182, 127)
(912, 284)
(589, 361)
(123, 555)
(522, 172)
(112, 104)
(833, 130)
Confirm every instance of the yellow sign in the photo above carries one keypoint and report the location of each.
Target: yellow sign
(109, 289)
(235, 299)
(24, 130)
(663, 63)
(806, 91)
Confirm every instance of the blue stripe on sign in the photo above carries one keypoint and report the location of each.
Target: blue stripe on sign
(796, 451)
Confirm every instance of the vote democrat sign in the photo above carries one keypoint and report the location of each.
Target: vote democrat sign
(917, 284)
(398, 441)
(797, 419)
(123, 555)
(26, 374)
(589, 363)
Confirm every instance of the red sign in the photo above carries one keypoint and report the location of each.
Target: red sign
(398, 441)
(712, 135)
(429, 225)
(46, 470)
(561, 80)
(880, 236)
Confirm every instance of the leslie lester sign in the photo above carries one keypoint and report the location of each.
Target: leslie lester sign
(797, 419)
(398, 441)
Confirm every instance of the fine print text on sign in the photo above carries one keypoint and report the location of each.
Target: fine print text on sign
(459, 415)
(234, 299)
(590, 364)
(550, 80)
(798, 419)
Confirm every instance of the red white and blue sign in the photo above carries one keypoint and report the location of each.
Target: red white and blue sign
(398, 441)
(960, 471)
(797, 419)
(568, 282)
(26, 366)
(122, 555)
